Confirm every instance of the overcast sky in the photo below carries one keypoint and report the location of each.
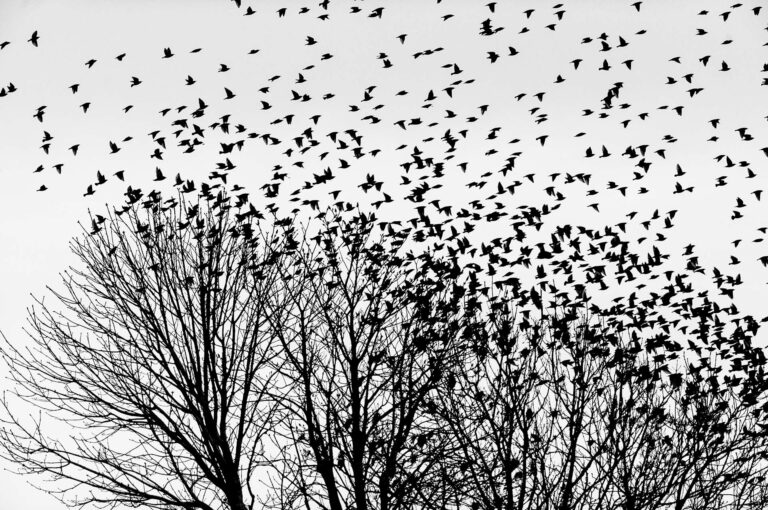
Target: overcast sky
(351, 77)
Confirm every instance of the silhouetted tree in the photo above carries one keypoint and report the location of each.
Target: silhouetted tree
(197, 356)
(366, 335)
(571, 409)
(155, 358)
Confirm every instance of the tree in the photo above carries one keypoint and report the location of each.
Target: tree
(157, 360)
(571, 408)
(366, 334)
(199, 355)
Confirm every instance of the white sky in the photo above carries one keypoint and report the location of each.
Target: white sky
(35, 226)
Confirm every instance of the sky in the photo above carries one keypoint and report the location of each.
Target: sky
(351, 74)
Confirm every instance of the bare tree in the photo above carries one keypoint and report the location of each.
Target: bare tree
(195, 356)
(569, 409)
(154, 358)
(366, 334)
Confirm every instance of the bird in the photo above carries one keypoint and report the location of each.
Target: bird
(34, 38)
(39, 113)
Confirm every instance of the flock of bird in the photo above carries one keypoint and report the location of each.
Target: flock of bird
(459, 168)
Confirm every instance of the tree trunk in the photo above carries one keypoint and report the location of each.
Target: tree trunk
(237, 505)
(235, 501)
